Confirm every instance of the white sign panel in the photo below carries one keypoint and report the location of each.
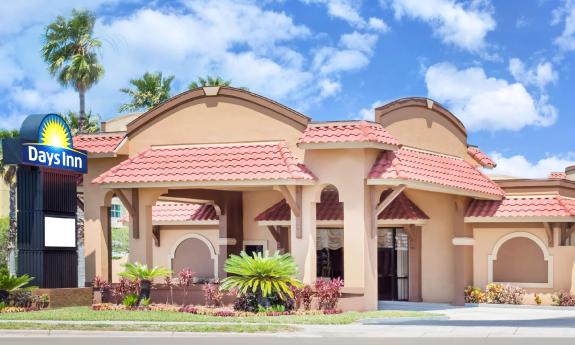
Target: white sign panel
(59, 232)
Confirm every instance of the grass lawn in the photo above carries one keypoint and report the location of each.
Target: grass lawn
(237, 328)
(87, 314)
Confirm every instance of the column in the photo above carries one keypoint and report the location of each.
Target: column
(141, 249)
(462, 252)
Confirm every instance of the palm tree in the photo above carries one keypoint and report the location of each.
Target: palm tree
(8, 173)
(70, 51)
(145, 275)
(149, 90)
(91, 122)
(209, 81)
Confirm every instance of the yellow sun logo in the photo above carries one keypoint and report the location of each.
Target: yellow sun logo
(54, 131)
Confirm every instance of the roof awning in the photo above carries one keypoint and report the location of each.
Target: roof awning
(424, 170)
(100, 144)
(210, 165)
(330, 212)
(347, 134)
(540, 208)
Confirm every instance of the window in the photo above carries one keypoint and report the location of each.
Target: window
(116, 211)
(329, 253)
(251, 247)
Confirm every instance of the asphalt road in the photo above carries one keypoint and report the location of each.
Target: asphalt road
(272, 340)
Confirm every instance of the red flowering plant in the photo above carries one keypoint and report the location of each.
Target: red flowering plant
(303, 297)
(124, 288)
(213, 295)
(328, 292)
(185, 280)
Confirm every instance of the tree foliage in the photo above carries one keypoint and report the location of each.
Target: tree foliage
(91, 122)
(138, 271)
(147, 92)
(209, 81)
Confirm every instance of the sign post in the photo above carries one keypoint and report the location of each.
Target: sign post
(48, 172)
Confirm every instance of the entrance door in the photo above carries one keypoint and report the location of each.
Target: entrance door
(393, 264)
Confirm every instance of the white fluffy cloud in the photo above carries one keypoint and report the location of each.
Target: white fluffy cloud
(565, 14)
(539, 75)
(464, 26)
(486, 103)
(353, 52)
(369, 112)
(349, 11)
(519, 166)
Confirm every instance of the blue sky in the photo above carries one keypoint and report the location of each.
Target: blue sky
(505, 68)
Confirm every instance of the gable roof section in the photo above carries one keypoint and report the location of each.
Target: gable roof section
(480, 157)
(347, 134)
(214, 164)
(98, 143)
(295, 118)
(529, 208)
(431, 171)
(329, 209)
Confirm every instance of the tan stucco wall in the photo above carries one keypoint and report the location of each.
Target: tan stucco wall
(487, 236)
(216, 120)
(426, 129)
(94, 236)
(171, 236)
(255, 203)
(436, 245)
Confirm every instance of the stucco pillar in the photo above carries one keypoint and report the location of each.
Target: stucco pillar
(303, 249)
(462, 252)
(141, 249)
(230, 228)
(414, 263)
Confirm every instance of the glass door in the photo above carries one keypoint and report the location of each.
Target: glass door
(393, 264)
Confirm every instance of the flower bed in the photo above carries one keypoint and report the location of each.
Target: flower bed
(210, 311)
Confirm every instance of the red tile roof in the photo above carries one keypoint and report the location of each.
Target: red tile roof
(481, 157)
(202, 163)
(428, 167)
(183, 212)
(98, 143)
(558, 175)
(350, 131)
(537, 206)
(331, 209)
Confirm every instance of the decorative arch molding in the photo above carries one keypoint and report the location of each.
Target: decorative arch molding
(293, 117)
(540, 243)
(211, 248)
(421, 102)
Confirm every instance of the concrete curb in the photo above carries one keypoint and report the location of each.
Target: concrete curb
(398, 320)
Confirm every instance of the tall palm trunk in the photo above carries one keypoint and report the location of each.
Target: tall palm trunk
(12, 236)
(80, 243)
(82, 119)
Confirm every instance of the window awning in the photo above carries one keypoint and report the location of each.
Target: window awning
(237, 164)
(330, 211)
(535, 208)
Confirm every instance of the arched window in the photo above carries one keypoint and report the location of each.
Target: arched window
(329, 240)
(521, 259)
(197, 253)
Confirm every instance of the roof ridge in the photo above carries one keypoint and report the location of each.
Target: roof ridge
(227, 144)
(431, 152)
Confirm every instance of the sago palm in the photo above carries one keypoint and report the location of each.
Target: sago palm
(12, 283)
(261, 274)
(70, 52)
(138, 271)
(149, 90)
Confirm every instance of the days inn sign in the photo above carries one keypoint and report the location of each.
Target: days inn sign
(53, 145)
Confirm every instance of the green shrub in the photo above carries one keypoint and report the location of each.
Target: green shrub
(137, 271)
(504, 294)
(130, 301)
(4, 228)
(474, 295)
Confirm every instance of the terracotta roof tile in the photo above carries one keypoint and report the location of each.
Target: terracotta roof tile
(218, 162)
(558, 175)
(423, 166)
(331, 209)
(182, 212)
(351, 131)
(98, 143)
(538, 206)
(481, 157)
